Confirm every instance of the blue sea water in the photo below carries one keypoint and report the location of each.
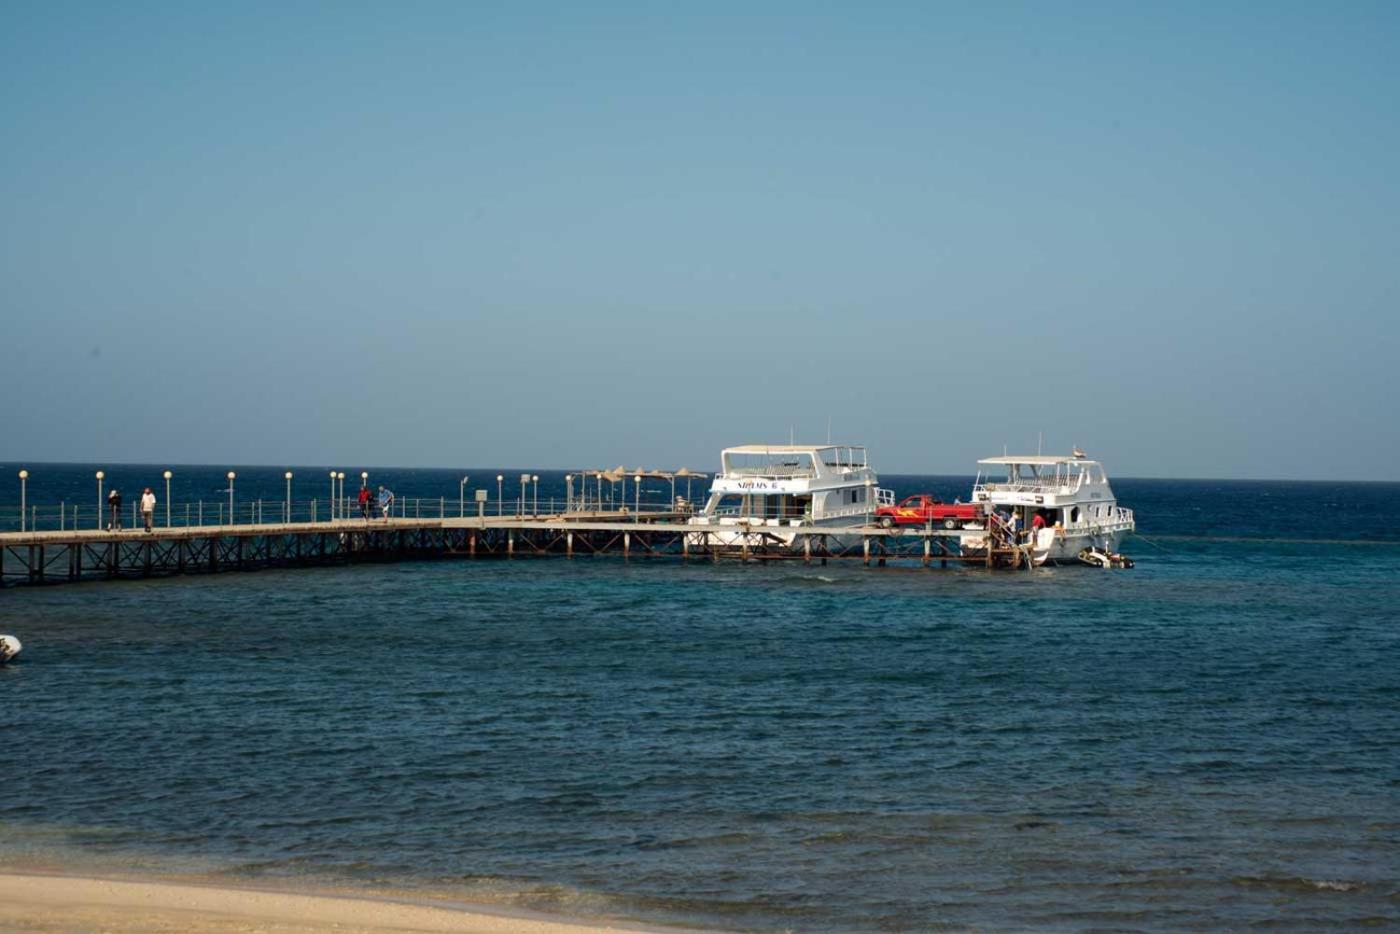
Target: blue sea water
(1211, 739)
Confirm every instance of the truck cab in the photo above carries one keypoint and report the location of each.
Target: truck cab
(923, 508)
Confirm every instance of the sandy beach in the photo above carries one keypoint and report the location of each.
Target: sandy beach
(70, 904)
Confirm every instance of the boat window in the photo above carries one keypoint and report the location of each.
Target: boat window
(1074, 514)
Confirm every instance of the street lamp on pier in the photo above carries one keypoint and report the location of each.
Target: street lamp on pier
(462, 497)
(168, 475)
(568, 492)
(231, 476)
(500, 493)
(535, 479)
(637, 485)
(23, 484)
(341, 477)
(100, 475)
(288, 477)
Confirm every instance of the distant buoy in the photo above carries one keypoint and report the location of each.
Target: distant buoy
(9, 648)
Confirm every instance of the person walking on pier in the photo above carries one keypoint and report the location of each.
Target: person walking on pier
(148, 507)
(364, 501)
(114, 503)
(386, 501)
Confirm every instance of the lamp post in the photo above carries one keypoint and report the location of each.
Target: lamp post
(100, 475)
(462, 497)
(535, 479)
(288, 477)
(231, 476)
(364, 478)
(500, 493)
(168, 475)
(332, 495)
(23, 483)
(568, 492)
(637, 485)
(524, 482)
(341, 477)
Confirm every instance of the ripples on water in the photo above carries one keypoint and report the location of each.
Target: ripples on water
(1210, 739)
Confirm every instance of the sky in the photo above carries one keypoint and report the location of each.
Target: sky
(555, 235)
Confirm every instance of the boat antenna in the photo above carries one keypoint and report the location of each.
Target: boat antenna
(792, 436)
(828, 429)
(1039, 442)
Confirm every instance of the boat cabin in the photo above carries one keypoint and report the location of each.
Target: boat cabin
(793, 485)
(1065, 491)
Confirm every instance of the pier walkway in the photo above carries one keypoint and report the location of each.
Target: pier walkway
(69, 556)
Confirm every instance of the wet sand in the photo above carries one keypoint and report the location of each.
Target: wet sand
(57, 903)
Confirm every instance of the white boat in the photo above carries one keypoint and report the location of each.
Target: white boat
(1071, 495)
(774, 492)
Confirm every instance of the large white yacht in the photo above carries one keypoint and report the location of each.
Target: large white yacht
(1080, 518)
(775, 490)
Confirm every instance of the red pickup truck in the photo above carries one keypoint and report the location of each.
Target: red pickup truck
(922, 508)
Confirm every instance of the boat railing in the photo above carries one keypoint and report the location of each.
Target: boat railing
(776, 472)
(1042, 487)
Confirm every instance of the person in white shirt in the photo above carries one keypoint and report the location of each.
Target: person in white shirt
(148, 507)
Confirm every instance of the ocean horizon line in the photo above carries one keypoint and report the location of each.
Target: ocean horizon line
(208, 465)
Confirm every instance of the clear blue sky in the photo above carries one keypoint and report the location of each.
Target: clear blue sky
(553, 235)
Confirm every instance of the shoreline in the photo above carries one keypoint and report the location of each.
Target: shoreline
(61, 902)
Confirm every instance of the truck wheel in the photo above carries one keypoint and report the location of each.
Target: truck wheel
(950, 523)
(886, 522)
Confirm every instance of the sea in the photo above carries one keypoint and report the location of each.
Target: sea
(1209, 740)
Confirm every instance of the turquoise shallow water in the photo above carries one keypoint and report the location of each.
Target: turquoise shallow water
(1211, 739)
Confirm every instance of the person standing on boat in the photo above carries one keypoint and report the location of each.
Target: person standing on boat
(1013, 525)
(148, 507)
(1037, 524)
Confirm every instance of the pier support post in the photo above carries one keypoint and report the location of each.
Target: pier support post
(865, 548)
(510, 544)
(685, 547)
(806, 549)
(471, 544)
(569, 545)
(927, 546)
(626, 545)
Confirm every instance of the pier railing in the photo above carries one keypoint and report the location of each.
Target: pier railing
(221, 512)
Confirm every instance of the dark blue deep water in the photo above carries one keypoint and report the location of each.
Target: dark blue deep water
(1209, 740)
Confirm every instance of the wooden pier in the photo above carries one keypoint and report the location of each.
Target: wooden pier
(49, 557)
